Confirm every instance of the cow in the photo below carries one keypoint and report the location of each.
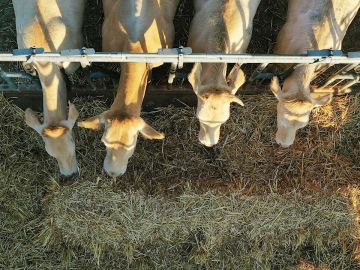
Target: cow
(141, 26)
(310, 25)
(218, 27)
(53, 25)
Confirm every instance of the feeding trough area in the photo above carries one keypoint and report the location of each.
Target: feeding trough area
(26, 90)
(246, 202)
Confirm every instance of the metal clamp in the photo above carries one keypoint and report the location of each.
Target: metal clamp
(84, 52)
(324, 54)
(84, 60)
(181, 51)
(354, 54)
(29, 52)
(180, 64)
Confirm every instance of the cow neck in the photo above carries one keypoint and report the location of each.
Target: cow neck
(131, 89)
(54, 92)
(213, 74)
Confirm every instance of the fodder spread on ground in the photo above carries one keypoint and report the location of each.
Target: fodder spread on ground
(247, 202)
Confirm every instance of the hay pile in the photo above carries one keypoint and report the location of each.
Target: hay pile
(23, 177)
(325, 154)
(213, 231)
(247, 202)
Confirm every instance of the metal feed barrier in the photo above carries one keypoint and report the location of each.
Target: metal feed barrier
(11, 82)
(179, 56)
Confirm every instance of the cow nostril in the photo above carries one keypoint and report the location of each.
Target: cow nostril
(209, 145)
(283, 144)
(68, 179)
(206, 143)
(114, 174)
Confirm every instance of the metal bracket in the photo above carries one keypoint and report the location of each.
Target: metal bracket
(30, 52)
(184, 50)
(354, 54)
(324, 53)
(181, 51)
(84, 52)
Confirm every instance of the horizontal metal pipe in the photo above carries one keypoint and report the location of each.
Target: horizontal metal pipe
(119, 57)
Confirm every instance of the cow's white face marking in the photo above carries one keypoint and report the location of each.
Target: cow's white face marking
(58, 139)
(213, 110)
(294, 113)
(120, 138)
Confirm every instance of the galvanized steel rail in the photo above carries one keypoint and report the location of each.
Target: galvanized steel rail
(179, 56)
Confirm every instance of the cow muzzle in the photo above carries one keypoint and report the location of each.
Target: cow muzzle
(285, 137)
(209, 135)
(68, 166)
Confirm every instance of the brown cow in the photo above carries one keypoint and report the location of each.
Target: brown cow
(131, 26)
(310, 25)
(218, 27)
(53, 25)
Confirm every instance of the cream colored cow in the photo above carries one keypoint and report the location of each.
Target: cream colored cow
(218, 27)
(310, 25)
(131, 26)
(53, 25)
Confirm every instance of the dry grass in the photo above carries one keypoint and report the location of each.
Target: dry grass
(324, 157)
(22, 186)
(247, 203)
(213, 231)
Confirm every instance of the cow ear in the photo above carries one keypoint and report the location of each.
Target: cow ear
(72, 117)
(275, 87)
(234, 99)
(194, 77)
(237, 100)
(236, 78)
(150, 133)
(32, 120)
(93, 122)
(321, 99)
(73, 113)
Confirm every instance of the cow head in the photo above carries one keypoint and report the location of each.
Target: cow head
(213, 106)
(120, 137)
(58, 139)
(293, 111)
